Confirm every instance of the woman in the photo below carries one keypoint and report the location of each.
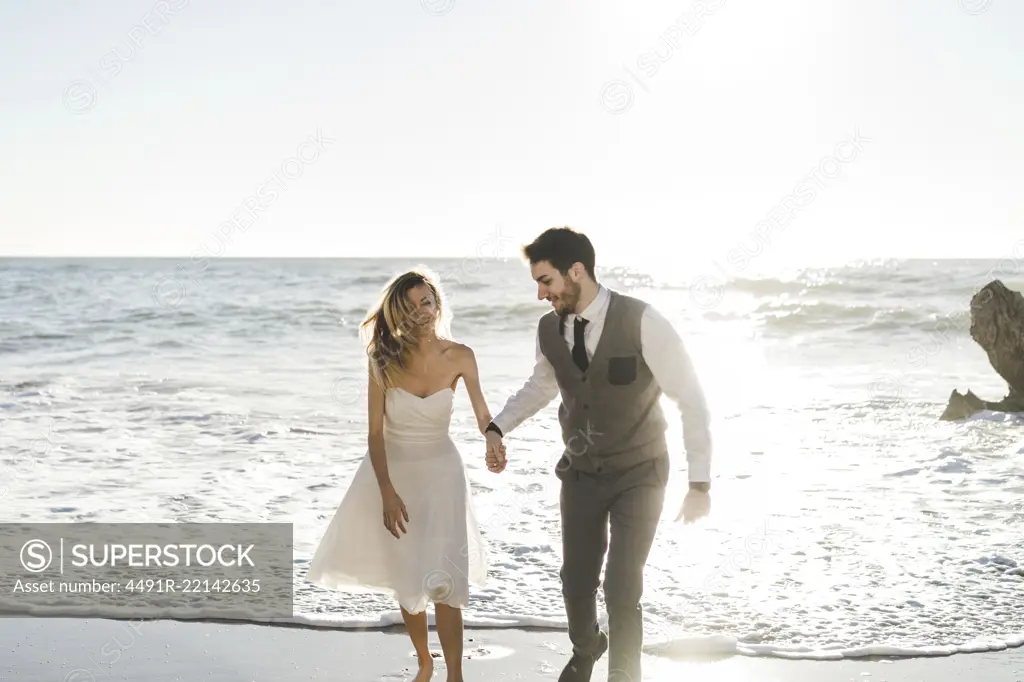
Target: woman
(406, 526)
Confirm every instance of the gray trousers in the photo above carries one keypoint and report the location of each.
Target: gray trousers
(629, 504)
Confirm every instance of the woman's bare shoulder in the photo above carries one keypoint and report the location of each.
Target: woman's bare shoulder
(458, 352)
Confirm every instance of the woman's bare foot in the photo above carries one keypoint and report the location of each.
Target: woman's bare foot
(426, 670)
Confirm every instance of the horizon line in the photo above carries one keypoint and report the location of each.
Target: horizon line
(809, 261)
(212, 258)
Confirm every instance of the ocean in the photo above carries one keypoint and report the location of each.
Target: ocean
(846, 517)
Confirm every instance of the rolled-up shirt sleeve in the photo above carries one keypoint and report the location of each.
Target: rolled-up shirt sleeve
(665, 353)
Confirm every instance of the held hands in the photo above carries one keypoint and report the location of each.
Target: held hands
(394, 512)
(696, 505)
(496, 461)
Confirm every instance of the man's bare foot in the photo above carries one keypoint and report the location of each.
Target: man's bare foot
(426, 670)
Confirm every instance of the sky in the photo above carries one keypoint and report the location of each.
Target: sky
(669, 132)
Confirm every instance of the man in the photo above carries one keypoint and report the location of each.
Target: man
(611, 357)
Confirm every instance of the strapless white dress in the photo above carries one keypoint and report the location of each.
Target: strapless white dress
(443, 551)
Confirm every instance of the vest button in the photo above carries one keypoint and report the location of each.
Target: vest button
(586, 407)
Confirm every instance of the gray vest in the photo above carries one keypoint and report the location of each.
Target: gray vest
(611, 416)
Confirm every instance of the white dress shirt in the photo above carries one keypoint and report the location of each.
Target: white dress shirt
(664, 353)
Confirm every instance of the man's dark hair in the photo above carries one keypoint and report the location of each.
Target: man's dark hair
(562, 246)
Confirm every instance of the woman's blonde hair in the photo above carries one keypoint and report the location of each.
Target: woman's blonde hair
(389, 331)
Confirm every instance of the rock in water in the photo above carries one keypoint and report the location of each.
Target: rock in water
(962, 406)
(997, 325)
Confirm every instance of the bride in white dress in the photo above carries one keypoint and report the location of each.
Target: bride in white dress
(406, 525)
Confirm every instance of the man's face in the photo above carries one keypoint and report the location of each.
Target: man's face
(562, 291)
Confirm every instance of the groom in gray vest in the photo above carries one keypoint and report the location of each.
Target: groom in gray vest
(610, 357)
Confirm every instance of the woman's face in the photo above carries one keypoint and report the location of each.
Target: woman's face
(424, 305)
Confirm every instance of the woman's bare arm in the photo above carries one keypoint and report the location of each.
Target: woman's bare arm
(378, 458)
(471, 375)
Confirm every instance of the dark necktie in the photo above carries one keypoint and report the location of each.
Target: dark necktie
(579, 346)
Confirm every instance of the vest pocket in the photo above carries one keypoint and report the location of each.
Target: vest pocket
(622, 370)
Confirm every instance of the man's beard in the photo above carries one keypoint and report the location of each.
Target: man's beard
(567, 300)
